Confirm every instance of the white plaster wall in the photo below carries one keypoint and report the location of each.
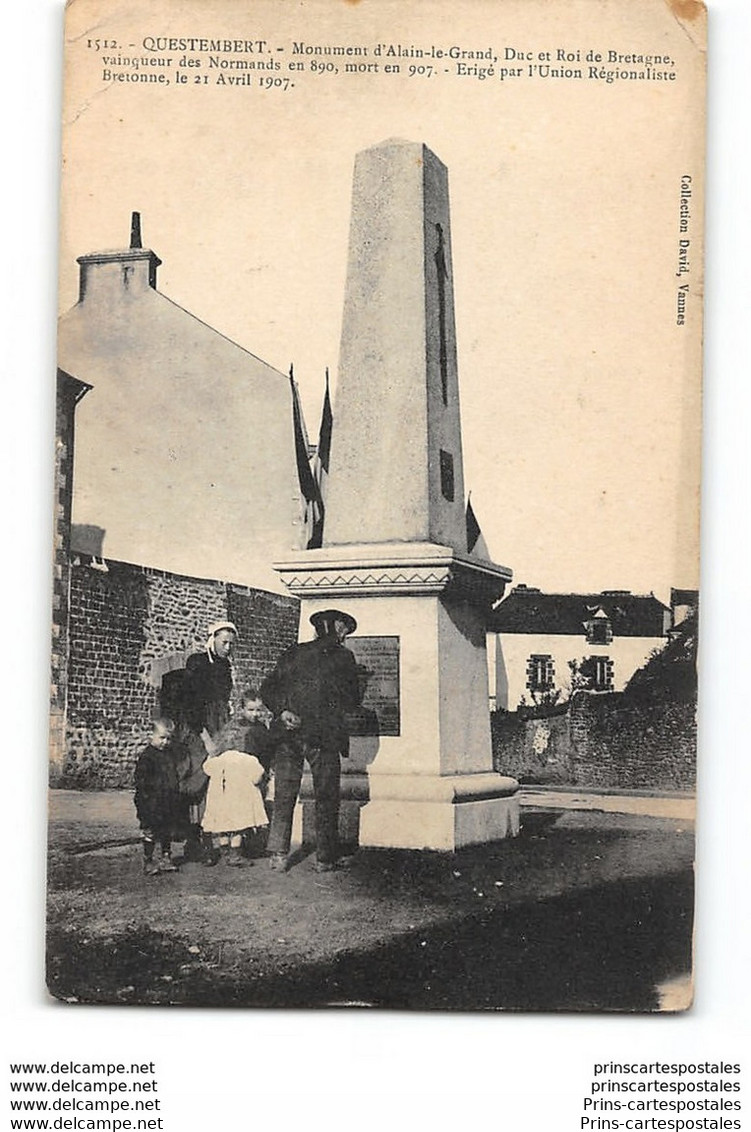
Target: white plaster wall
(184, 447)
(514, 649)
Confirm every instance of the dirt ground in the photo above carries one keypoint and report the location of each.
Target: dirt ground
(586, 910)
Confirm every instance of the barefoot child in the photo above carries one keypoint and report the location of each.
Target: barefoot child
(157, 798)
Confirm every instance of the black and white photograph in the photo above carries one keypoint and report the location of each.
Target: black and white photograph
(376, 552)
(373, 805)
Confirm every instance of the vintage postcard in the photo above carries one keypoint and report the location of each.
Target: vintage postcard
(377, 499)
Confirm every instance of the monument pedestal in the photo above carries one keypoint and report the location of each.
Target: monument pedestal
(420, 772)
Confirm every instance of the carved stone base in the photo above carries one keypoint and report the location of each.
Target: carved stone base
(442, 812)
(420, 772)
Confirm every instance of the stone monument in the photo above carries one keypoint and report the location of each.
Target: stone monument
(395, 553)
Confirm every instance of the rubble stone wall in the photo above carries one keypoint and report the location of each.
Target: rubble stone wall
(129, 625)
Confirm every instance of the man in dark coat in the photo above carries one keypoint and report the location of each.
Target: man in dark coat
(310, 691)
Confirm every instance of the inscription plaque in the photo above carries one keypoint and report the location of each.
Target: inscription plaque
(378, 666)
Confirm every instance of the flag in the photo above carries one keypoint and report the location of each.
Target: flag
(324, 435)
(475, 541)
(321, 465)
(312, 503)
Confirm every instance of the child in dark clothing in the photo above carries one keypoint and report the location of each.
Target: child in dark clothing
(157, 798)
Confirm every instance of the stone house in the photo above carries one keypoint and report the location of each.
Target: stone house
(607, 636)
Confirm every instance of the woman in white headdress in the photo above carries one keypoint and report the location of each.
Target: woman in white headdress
(206, 693)
(207, 687)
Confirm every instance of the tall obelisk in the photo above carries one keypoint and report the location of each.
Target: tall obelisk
(395, 544)
(396, 460)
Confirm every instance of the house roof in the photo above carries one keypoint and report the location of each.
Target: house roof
(684, 597)
(71, 387)
(527, 610)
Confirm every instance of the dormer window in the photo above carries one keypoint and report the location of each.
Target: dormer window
(598, 628)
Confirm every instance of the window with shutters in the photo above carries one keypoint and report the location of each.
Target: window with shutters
(540, 673)
(601, 673)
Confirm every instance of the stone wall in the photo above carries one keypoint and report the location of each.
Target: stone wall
(533, 745)
(622, 741)
(129, 627)
(603, 741)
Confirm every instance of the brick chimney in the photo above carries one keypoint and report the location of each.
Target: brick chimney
(119, 273)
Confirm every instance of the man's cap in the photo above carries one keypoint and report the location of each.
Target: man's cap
(324, 618)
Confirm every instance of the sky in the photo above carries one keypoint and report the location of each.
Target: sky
(579, 393)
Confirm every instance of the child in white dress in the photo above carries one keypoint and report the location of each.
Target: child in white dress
(234, 804)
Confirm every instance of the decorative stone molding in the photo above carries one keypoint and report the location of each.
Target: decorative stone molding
(367, 581)
(454, 788)
(393, 570)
